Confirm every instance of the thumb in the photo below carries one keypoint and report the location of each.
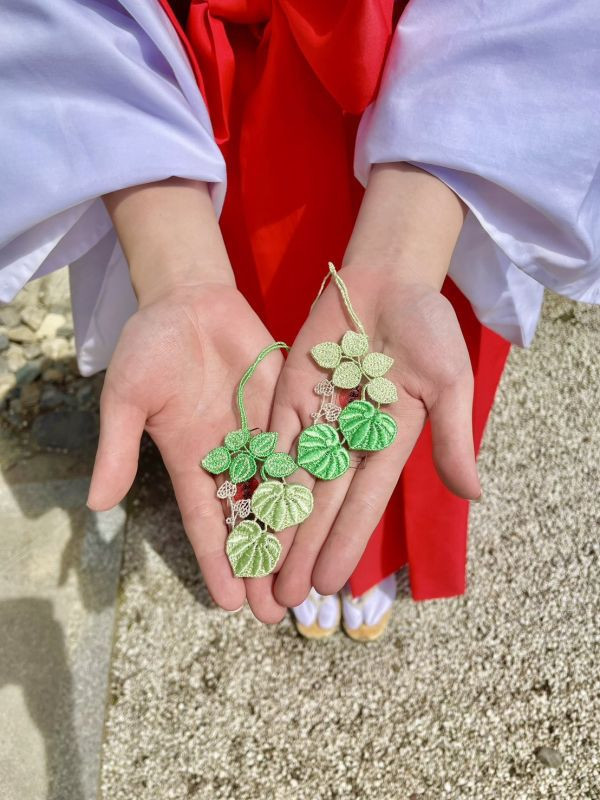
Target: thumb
(121, 427)
(451, 417)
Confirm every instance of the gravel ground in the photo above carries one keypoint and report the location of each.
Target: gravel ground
(473, 697)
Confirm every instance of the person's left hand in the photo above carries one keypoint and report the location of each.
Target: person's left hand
(417, 326)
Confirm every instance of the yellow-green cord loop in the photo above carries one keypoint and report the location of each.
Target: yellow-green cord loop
(249, 373)
(333, 273)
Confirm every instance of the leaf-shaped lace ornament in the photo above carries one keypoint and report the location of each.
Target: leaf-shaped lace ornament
(273, 505)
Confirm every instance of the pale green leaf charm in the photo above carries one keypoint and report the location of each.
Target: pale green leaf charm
(355, 344)
(327, 354)
(321, 453)
(235, 440)
(252, 552)
(347, 375)
(376, 364)
(263, 444)
(382, 391)
(281, 505)
(280, 465)
(366, 428)
(217, 460)
(242, 468)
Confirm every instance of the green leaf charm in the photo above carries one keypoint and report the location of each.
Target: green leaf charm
(376, 364)
(327, 354)
(321, 453)
(347, 375)
(366, 428)
(382, 391)
(252, 552)
(355, 344)
(242, 468)
(281, 505)
(280, 465)
(235, 440)
(263, 444)
(217, 460)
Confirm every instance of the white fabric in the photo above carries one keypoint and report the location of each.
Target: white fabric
(321, 608)
(96, 95)
(369, 608)
(501, 101)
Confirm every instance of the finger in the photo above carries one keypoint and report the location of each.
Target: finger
(294, 580)
(363, 507)
(264, 606)
(452, 433)
(121, 427)
(204, 524)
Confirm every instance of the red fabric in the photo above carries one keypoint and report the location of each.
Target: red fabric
(285, 82)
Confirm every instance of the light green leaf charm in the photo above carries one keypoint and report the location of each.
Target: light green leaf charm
(376, 364)
(242, 468)
(382, 391)
(217, 460)
(366, 428)
(252, 552)
(327, 354)
(355, 344)
(263, 444)
(347, 375)
(235, 440)
(321, 453)
(280, 465)
(281, 505)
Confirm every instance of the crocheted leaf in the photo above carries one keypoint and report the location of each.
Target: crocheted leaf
(327, 354)
(217, 460)
(355, 344)
(227, 489)
(263, 444)
(376, 364)
(252, 552)
(347, 375)
(280, 505)
(235, 440)
(321, 453)
(366, 428)
(382, 391)
(280, 465)
(242, 468)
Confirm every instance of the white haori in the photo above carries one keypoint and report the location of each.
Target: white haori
(501, 101)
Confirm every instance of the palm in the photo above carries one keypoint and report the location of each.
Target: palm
(175, 373)
(418, 328)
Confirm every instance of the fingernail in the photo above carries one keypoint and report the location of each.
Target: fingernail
(478, 499)
(235, 610)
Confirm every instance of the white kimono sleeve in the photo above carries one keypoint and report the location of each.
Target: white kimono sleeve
(96, 95)
(501, 101)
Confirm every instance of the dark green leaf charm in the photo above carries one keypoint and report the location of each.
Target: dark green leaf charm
(252, 552)
(242, 468)
(366, 428)
(217, 460)
(321, 453)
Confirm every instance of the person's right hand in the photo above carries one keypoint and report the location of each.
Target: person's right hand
(175, 374)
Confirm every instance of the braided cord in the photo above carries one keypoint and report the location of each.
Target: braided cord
(249, 373)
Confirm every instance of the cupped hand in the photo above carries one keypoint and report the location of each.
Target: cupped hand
(175, 374)
(415, 325)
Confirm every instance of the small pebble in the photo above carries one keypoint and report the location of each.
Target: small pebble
(53, 375)
(15, 358)
(32, 350)
(51, 398)
(50, 326)
(9, 317)
(30, 395)
(33, 316)
(56, 348)
(21, 334)
(549, 757)
(4, 341)
(28, 373)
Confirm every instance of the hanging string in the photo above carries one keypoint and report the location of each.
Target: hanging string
(333, 273)
(249, 373)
